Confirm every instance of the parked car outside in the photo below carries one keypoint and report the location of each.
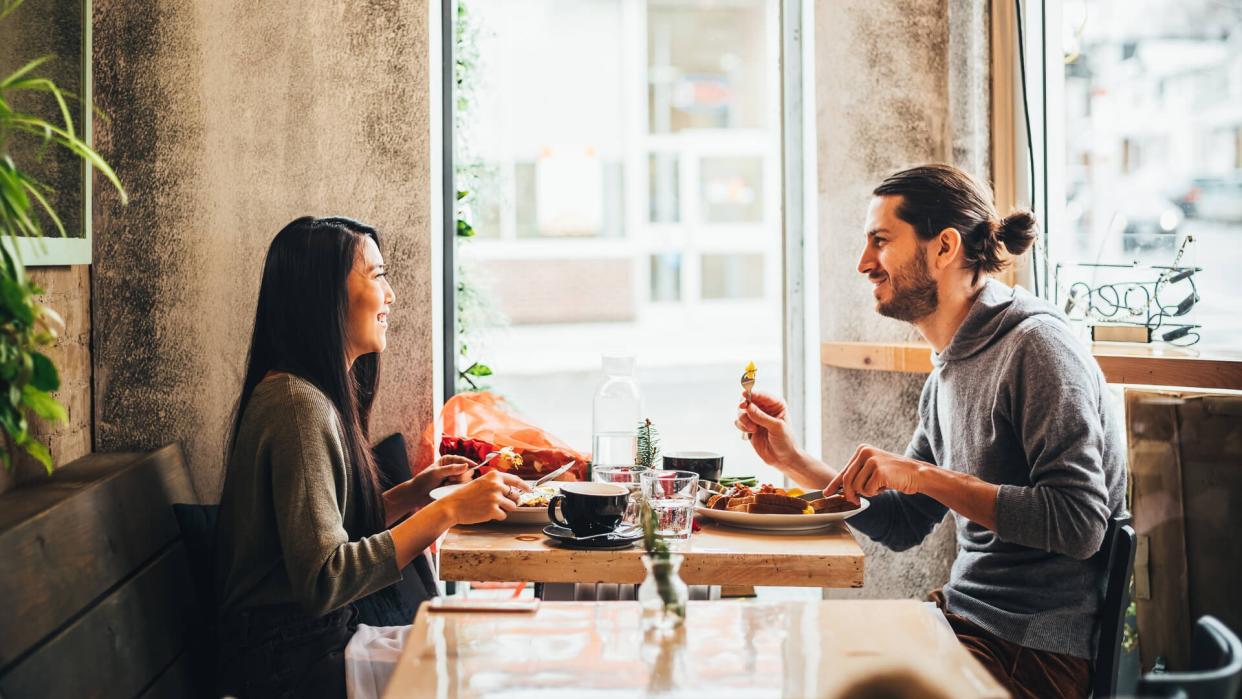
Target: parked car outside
(1142, 217)
(1219, 198)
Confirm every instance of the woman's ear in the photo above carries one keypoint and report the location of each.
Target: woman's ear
(948, 248)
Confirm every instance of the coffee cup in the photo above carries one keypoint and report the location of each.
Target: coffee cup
(709, 465)
(589, 508)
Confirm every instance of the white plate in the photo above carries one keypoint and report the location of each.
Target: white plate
(786, 523)
(522, 515)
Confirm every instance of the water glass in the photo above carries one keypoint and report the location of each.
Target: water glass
(671, 495)
(627, 476)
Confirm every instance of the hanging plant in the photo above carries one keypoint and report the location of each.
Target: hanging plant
(475, 303)
(27, 328)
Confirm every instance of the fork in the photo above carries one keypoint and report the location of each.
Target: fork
(488, 457)
(748, 382)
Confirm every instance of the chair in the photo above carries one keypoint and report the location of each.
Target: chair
(1118, 549)
(396, 605)
(1216, 666)
(198, 533)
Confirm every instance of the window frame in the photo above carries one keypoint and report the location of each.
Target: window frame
(795, 265)
(54, 251)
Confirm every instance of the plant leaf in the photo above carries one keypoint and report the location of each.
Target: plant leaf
(39, 127)
(32, 186)
(17, 74)
(477, 369)
(14, 299)
(45, 376)
(45, 85)
(464, 230)
(40, 453)
(43, 404)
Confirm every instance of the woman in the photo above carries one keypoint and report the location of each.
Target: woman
(304, 527)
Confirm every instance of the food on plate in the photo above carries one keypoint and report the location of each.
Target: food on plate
(770, 500)
(833, 503)
(770, 504)
(507, 459)
(729, 481)
(539, 497)
(527, 463)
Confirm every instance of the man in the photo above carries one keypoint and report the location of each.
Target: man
(1016, 435)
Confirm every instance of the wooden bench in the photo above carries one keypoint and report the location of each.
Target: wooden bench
(96, 595)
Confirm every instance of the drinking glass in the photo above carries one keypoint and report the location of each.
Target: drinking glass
(628, 477)
(671, 495)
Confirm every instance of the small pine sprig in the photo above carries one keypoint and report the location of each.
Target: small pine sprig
(648, 450)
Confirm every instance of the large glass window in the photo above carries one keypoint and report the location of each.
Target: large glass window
(1145, 151)
(621, 164)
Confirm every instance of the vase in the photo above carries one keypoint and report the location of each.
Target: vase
(663, 594)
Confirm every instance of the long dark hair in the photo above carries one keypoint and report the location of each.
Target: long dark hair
(299, 328)
(938, 196)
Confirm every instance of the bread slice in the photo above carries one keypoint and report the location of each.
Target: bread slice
(739, 504)
(758, 508)
(719, 502)
(834, 503)
(780, 501)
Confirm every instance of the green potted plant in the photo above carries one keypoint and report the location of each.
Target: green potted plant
(27, 375)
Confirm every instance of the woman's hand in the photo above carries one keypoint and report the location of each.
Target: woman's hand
(490, 497)
(873, 470)
(442, 471)
(764, 417)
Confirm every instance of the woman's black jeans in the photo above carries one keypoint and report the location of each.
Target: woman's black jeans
(281, 651)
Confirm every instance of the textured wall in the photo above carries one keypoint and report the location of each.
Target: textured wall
(229, 119)
(890, 80)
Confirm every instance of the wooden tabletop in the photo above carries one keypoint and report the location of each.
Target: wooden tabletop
(725, 649)
(717, 555)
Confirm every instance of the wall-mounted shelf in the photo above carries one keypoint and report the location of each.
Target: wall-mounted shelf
(1152, 365)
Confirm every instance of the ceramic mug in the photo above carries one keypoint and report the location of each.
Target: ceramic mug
(589, 508)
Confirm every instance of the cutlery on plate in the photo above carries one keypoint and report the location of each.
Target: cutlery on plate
(554, 474)
(621, 531)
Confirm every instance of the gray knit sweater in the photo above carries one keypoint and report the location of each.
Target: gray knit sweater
(1017, 401)
(281, 536)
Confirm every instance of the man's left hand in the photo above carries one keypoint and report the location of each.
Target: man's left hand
(872, 471)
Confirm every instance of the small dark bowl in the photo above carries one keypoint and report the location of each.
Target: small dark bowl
(709, 465)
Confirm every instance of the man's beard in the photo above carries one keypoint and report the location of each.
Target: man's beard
(914, 291)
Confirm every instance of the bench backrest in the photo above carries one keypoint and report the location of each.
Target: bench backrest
(96, 597)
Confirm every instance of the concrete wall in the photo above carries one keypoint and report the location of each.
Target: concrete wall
(229, 119)
(898, 83)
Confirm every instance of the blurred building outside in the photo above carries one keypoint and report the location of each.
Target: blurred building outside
(1153, 144)
(630, 202)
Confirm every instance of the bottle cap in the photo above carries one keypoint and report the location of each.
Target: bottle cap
(618, 364)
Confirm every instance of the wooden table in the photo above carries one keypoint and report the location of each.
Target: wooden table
(717, 555)
(725, 649)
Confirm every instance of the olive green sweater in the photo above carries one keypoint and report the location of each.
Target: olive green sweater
(281, 538)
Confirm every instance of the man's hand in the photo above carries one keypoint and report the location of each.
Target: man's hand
(873, 470)
(764, 418)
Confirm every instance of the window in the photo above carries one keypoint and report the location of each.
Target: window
(622, 163)
(1143, 159)
(54, 28)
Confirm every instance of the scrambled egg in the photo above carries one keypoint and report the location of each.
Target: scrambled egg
(539, 497)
